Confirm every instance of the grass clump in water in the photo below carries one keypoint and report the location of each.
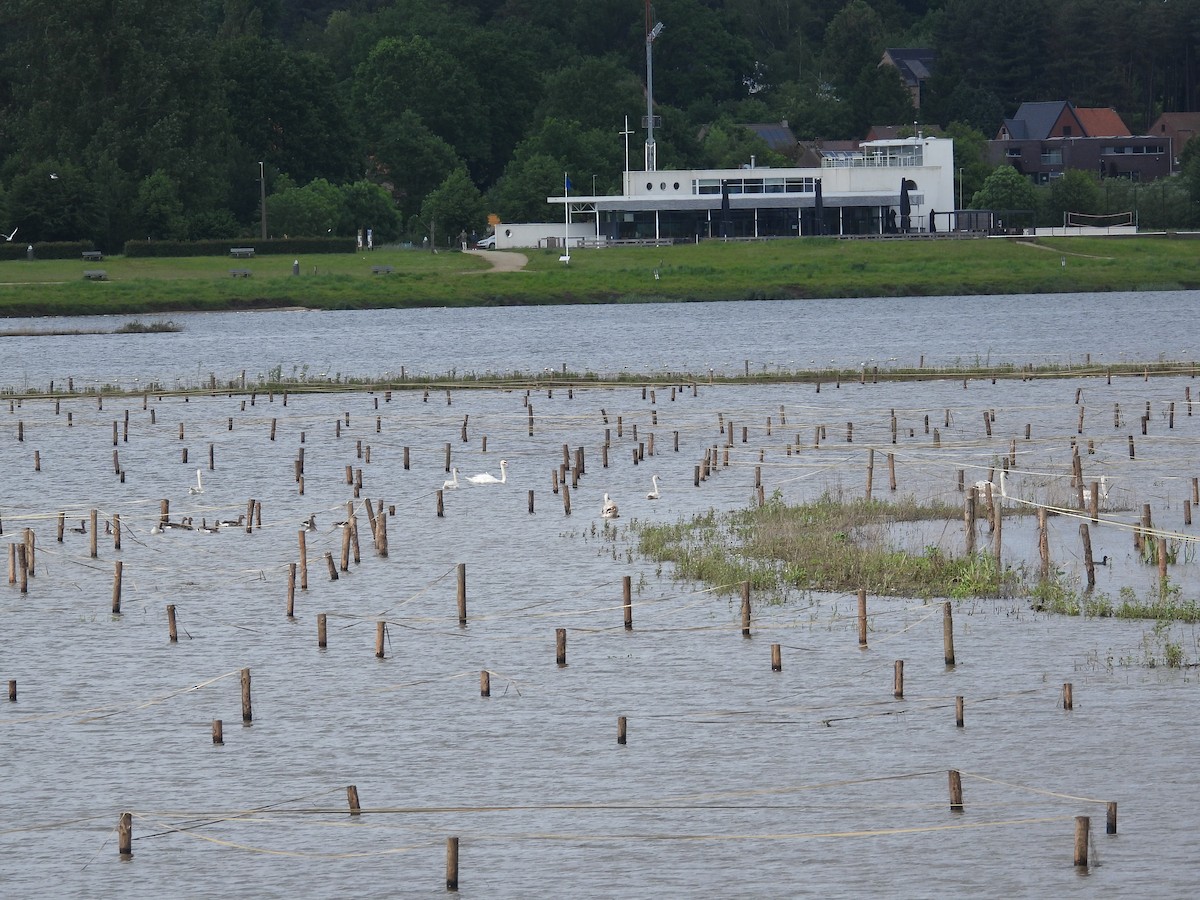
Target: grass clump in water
(826, 545)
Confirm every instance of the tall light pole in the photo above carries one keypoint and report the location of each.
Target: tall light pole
(651, 34)
(262, 196)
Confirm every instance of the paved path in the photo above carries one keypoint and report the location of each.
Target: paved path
(501, 260)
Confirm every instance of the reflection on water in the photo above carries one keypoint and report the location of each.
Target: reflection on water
(735, 781)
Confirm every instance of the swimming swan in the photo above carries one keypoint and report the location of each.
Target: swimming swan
(489, 478)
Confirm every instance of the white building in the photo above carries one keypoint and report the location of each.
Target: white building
(853, 192)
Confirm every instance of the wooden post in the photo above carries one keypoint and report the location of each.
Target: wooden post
(352, 799)
(870, 471)
(485, 683)
(958, 711)
(116, 590)
(948, 633)
(776, 658)
(321, 630)
(331, 566)
(12, 690)
(218, 731)
(116, 530)
(627, 600)
(862, 618)
(1088, 562)
(1110, 826)
(172, 630)
(125, 836)
(303, 560)
(898, 679)
(380, 637)
(956, 794)
(745, 609)
(94, 518)
(530, 501)
(1068, 695)
(621, 723)
(560, 646)
(1043, 543)
(1082, 828)
(247, 712)
(462, 593)
(452, 854)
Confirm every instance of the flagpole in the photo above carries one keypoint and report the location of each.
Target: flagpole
(566, 257)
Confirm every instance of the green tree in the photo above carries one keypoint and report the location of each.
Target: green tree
(158, 212)
(1077, 191)
(853, 42)
(1005, 189)
(454, 206)
(971, 166)
(410, 160)
(367, 205)
(520, 193)
(314, 210)
(53, 202)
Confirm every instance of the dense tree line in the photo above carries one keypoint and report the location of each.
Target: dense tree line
(140, 119)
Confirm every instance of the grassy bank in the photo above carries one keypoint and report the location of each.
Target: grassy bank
(709, 271)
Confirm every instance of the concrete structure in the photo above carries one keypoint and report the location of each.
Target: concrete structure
(852, 192)
(542, 235)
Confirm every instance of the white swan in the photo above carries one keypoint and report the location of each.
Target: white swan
(609, 509)
(982, 486)
(489, 478)
(452, 484)
(1101, 491)
(199, 488)
(656, 493)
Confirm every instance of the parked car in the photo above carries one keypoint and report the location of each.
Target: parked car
(488, 243)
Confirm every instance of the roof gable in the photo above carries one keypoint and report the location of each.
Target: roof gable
(915, 64)
(1102, 122)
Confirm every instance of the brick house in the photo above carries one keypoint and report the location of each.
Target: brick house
(915, 65)
(1178, 128)
(1045, 139)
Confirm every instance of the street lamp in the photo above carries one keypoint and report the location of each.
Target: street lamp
(593, 185)
(262, 196)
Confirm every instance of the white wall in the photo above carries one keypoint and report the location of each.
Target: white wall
(533, 235)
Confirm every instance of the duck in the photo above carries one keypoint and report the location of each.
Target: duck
(232, 523)
(655, 493)
(210, 529)
(489, 478)
(310, 524)
(609, 509)
(81, 528)
(451, 484)
(199, 487)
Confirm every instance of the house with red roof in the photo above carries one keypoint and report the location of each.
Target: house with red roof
(1045, 139)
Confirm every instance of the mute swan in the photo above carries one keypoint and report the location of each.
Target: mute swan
(199, 488)
(1002, 485)
(609, 509)
(656, 493)
(489, 478)
(1101, 491)
(453, 482)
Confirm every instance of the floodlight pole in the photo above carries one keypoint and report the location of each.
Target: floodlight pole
(262, 196)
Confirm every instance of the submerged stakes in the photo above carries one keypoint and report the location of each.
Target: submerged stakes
(403, 655)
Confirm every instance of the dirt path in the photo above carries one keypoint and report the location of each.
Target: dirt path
(501, 260)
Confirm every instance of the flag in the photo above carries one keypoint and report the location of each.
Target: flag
(566, 183)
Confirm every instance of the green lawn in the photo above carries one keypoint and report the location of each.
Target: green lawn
(712, 270)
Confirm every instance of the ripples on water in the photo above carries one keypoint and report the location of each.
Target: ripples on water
(736, 781)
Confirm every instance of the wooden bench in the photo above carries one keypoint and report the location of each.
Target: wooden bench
(92, 255)
(95, 274)
(240, 273)
(381, 270)
(241, 252)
